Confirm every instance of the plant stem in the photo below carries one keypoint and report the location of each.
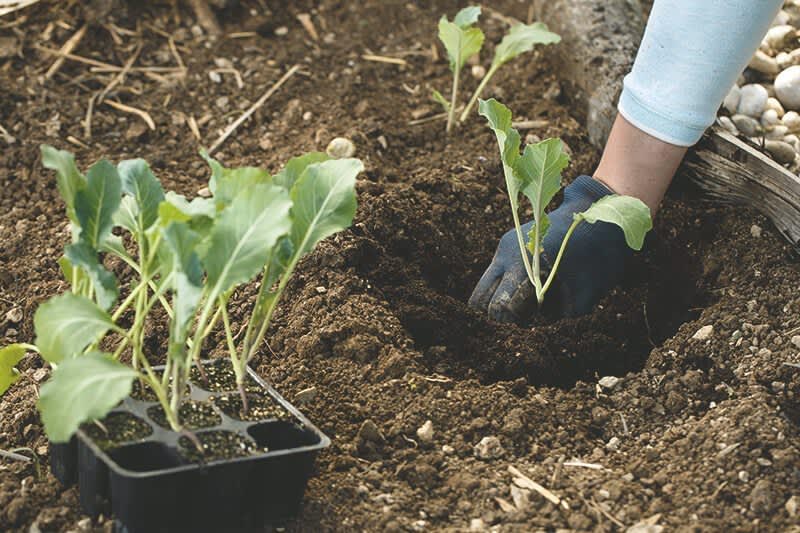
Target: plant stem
(451, 114)
(552, 274)
(521, 242)
(478, 92)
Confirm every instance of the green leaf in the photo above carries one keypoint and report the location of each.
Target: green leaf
(539, 170)
(67, 324)
(630, 214)
(178, 208)
(187, 272)
(520, 39)
(82, 255)
(227, 183)
(139, 182)
(296, 166)
(81, 390)
(96, 204)
(9, 356)
(499, 117)
(127, 214)
(68, 178)
(467, 16)
(114, 245)
(66, 268)
(324, 202)
(460, 42)
(441, 100)
(243, 236)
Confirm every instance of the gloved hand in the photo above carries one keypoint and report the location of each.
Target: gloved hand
(592, 263)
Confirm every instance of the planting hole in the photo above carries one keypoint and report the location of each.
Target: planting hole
(117, 429)
(221, 377)
(192, 414)
(282, 435)
(146, 457)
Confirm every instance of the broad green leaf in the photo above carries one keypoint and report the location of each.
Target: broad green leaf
(96, 204)
(187, 273)
(68, 178)
(67, 324)
(324, 202)
(499, 117)
(9, 356)
(244, 234)
(520, 39)
(539, 170)
(227, 183)
(113, 244)
(441, 100)
(139, 182)
(467, 16)
(630, 214)
(178, 208)
(81, 390)
(82, 255)
(127, 214)
(296, 166)
(460, 43)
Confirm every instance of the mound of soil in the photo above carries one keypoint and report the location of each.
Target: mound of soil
(700, 432)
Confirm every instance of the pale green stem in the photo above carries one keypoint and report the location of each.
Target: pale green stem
(478, 92)
(552, 274)
(451, 114)
(521, 241)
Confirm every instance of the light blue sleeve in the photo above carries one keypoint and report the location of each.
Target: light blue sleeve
(691, 54)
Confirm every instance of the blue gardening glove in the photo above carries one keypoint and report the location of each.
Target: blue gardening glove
(592, 263)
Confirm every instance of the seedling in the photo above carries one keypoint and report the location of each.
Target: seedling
(196, 252)
(461, 41)
(537, 174)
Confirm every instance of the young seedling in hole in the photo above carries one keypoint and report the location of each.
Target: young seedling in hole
(520, 39)
(537, 174)
(461, 41)
(195, 251)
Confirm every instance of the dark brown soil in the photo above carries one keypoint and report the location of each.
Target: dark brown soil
(216, 445)
(219, 377)
(258, 407)
(192, 415)
(116, 429)
(699, 435)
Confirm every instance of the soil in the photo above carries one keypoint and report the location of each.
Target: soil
(699, 434)
(219, 377)
(216, 445)
(192, 414)
(259, 407)
(117, 428)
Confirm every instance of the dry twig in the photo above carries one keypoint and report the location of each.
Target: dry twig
(133, 110)
(120, 77)
(384, 59)
(308, 25)
(253, 108)
(67, 48)
(206, 17)
(524, 482)
(9, 6)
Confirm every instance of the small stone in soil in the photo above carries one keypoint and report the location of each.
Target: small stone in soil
(425, 432)
(192, 414)
(703, 333)
(489, 448)
(121, 428)
(609, 382)
(217, 445)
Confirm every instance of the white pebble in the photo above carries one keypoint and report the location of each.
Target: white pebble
(784, 60)
(777, 133)
(341, 148)
(478, 71)
(425, 432)
(281, 31)
(781, 18)
(770, 118)
(792, 120)
(755, 231)
(753, 100)
(787, 87)
(761, 62)
(776, 36)
(613, 444)
(775, 105)
(703, 333)
(728, 124)
(794, 140)
(489, 448)
(731, 101)
(781, 152)
(747, 125)
(609, 382)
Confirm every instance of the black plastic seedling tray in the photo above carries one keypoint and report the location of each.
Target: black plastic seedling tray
(148, 486)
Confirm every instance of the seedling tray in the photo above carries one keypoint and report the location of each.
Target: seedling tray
(149, 486)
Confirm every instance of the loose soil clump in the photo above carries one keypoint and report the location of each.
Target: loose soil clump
(701, 430)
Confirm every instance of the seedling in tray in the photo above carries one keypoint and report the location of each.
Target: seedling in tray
(462, 40)
(188, 257)
(537, 174)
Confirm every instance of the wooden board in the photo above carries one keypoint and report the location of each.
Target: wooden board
(730, 171)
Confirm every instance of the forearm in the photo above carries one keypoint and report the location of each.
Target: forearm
(691, 54)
